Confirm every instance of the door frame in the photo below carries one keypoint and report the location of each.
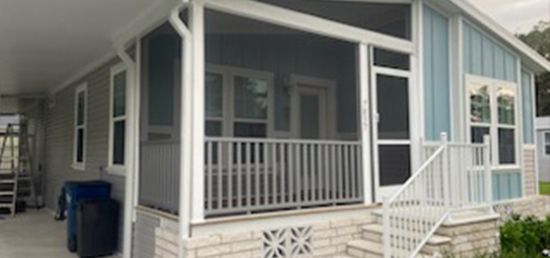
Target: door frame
(382, 191)
(313, 82)
(322, 94)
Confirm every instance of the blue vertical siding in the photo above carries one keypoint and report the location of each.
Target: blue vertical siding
(527, 106)
(506, 185)
(436, 74)
(484, 57)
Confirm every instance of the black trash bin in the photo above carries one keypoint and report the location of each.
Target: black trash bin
(97, 227)
(76, 191)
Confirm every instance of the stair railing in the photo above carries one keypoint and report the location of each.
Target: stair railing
(453, 176)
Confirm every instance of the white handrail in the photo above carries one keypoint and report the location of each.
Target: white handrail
(454, 176)
(417, 173)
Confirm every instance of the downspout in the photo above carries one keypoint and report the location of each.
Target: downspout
(185, 196)
(129, 180)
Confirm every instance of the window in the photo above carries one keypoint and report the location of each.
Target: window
(161, 78)
(117, 120)
(79, 155)
(492, 111)
(547, 143)
(237, 102)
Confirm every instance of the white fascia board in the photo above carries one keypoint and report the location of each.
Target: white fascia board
(530, 57)
(309, 23)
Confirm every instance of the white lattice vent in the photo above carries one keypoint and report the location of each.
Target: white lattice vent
(287, 242)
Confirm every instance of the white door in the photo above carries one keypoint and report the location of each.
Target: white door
(312, 112)
(390, 93)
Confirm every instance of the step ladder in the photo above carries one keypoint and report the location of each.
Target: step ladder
(16, 178)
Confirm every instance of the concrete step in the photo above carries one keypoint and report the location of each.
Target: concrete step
(409, 214)
(369, 249)
(374, 232)
(7, 181)
(365, 249)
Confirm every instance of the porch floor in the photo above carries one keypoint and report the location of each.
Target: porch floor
(33, 234)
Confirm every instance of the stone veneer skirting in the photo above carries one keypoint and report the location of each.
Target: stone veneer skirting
(470, 237)
(530, 171)
(467, 236)
(326, 239)
(535, 205)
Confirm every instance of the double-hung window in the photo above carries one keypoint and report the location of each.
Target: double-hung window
(237, 102)
(117, 120)
(492, 111)
(79, 147)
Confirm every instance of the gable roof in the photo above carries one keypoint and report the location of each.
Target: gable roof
(529, 57)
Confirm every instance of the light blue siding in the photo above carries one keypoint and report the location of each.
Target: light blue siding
(484, 57)
(506, 185)
(527, 105)
(436, 74)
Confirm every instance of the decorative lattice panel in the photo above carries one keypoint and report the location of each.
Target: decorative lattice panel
(287, 242)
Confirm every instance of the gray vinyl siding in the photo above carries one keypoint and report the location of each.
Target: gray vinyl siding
(144, 235)
(60, 133)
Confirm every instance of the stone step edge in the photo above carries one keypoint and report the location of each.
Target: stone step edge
(434, 240)
(367, 246)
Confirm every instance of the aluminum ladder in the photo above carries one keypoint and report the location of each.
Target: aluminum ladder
(16, 179)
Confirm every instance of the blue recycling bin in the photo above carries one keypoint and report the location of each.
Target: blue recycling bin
(76, 191)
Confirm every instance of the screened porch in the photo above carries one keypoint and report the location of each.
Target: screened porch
(280, 112)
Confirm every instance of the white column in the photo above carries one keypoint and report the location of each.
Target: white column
(132, 118)
(416, 85)
(365, 122)
(197, 28)
(458, 116)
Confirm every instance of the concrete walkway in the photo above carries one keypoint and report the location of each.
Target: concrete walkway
(33, 234)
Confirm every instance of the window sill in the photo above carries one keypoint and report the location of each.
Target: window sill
(79, 166)
(505, 168)
(116, 170)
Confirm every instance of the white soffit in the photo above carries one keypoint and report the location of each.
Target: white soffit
(43, 42)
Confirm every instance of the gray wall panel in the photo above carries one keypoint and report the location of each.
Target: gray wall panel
(59, 138)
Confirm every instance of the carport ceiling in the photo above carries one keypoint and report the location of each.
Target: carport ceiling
(44, 42)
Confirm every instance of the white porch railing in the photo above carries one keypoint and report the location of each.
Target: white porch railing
(244, 175)
(454, 176)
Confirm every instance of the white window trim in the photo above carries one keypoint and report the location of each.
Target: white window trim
(228, 116)
(80, 165)
(545, 144)
(494, 125)
(115, 169)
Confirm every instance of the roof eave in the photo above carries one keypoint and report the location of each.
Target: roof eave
(533, 60)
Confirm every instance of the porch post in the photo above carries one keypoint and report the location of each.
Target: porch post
(365, 124)
(487, 169)
(131, 133)
(185, 127)
(197, 28)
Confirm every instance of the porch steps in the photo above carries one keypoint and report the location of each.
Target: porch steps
(370, 245)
